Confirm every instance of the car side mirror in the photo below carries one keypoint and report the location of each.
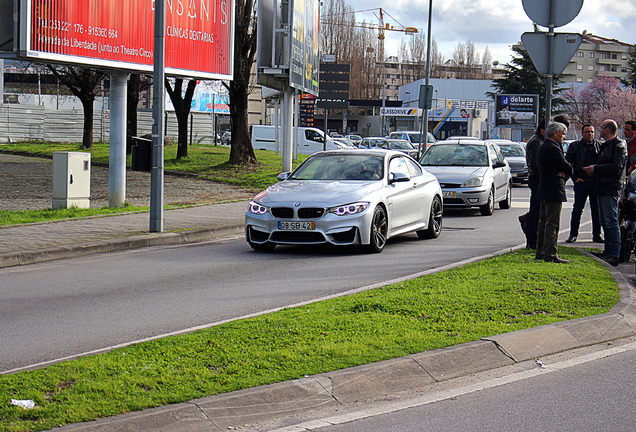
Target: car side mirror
(283, 176)
(398, 177)
(499, 164)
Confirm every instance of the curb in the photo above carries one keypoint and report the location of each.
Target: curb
(132, 242)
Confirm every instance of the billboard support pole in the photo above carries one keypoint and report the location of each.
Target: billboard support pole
(117, 148)
(158, 76)
(287, 127)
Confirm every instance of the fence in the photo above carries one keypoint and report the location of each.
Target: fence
(32, 122)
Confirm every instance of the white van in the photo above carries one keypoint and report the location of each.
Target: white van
(310, 140)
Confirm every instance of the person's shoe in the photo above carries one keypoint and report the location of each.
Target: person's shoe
(611, 260)
(523, 221)
(571, 239)
(598, 239)
(556, 259)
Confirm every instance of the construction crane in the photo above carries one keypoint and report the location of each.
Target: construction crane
(381, 27)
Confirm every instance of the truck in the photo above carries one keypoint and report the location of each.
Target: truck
(310, 140)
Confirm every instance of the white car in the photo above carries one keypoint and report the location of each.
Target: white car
(347, 197)
(472, 173)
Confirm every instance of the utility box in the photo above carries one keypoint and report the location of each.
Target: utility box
(71, 180)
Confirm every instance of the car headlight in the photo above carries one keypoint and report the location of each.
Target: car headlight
(473, 182)
(349, 209)
(257, 208)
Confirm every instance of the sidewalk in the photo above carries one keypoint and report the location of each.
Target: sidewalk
(28, 244)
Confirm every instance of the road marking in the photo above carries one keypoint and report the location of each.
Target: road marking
(392, 407)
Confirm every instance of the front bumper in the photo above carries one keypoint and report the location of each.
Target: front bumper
(328, 229)
(465, 197)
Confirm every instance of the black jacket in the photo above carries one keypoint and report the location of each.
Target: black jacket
(532, 149)
(552, 162)
(576, 155)
(609, 170)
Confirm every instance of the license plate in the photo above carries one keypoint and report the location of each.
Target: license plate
(296, 225)
(448, 194)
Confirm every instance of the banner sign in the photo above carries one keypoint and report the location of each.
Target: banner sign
(516, 111)
(305, 41)
(199, 34)
(400, 112)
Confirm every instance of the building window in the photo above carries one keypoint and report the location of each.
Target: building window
(614, 56)
(579, 54)
(591, 55)
(579, 66)
(613, 68)
(603, 56)
(624, 56)
(623, 69)
(590, 68)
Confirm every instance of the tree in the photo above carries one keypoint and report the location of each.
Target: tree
(584, 105)
(136, 84)
(621, 106)
(83, 83)
(182, 101)
(521, 77)
(631, 80)
(241, 151)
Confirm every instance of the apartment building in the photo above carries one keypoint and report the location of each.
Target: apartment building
(599, 56)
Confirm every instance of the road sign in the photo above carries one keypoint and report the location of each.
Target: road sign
(564, 11)
(565, 45)
(426, 96)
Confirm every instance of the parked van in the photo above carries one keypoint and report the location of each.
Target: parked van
(310, 140)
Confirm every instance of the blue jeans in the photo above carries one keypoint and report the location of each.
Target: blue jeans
(608, 214)
(583, 190)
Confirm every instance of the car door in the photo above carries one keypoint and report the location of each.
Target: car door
(403, 197)
(501, 171)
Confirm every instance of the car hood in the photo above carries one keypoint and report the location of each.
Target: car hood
(456, 174)
(319, 193)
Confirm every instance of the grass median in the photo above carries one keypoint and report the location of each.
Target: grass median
(498, 295)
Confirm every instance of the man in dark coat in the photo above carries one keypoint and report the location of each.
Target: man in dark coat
(554, 170)
(530, 221)
(609, 180)
(582, 153)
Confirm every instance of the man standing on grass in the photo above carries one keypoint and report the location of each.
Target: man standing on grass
(529, 221)
(609, 180)
(554, 170)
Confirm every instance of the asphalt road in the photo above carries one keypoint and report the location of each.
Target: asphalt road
(63, 308)
(577, 391)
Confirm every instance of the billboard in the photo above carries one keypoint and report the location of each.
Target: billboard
(305, 55)
(516, 111)
(119, 34)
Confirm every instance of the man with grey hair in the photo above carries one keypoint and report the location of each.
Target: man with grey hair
(609, 180)
(554, 170)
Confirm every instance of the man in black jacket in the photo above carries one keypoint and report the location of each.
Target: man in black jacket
(553, 172)
(580, 154)
(609, 180)
(530, 221)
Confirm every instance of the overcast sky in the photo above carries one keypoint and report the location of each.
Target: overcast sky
(497, 24)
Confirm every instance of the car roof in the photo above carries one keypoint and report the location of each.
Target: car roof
(473, 141)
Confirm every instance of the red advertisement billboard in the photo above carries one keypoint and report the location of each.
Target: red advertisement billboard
(120, 33)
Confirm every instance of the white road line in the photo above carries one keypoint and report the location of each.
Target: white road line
(448, 394)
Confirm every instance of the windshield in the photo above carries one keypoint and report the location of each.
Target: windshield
(400, 145)
(455, 155)
(512, 150)
(415, 137)
(340, 167)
